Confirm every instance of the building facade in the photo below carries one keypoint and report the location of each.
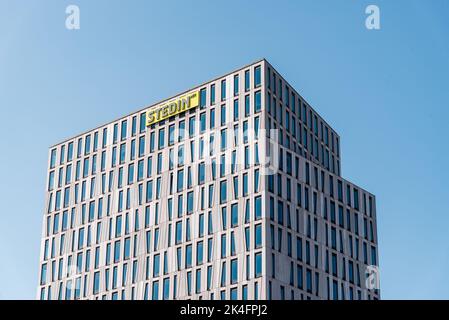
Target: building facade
(230, 190)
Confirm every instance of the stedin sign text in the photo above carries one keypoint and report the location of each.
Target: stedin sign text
(173, 107)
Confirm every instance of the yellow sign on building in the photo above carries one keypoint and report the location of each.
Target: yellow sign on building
(173, 107)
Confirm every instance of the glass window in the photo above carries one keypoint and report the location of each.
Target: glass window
(258, 207)
(209, 277)
(201, 173)
(133, 126)
(247, 80)
(223, 245)
(141, 146)
(223, 139)
(140, 170)
(156, 265)
(257, 101)
(115, 133)
(114, 157)
(161, 139)
(155, 293)
(223, 114)
(166, 288)
(87, 145)
(127, 248)
(118, 226)
(188, 256)
(190, 202)
(201, 225)
(152, 141)
(70, 152)
(53, 158)
(120, 177)
(96, 282)
(234, 215)
(181, 155)
(373, 256)
(43, 274)
(258, 264)
(180, 180)
(51, 180)
(223, 192)
(64, 221)
(212, 94)
(149, 166)
(116, 251)
(122, 153)
(191, 126)
(103, 161)
(257, 77)
(247, 210)
(199, 253)
(212, 118)
(123, 130)
(223, 89)
(247, 239)
(171, 134)
(149, 196)
(130, 173)
(280, 212)
(236, 84)
(203, 97)
(245, 184)
(95, 141)
(256, 180)
(203, 122)
(143, 117)
(258, 236)
(56, 223)
(236, 109)
(189, 282)
(178, 232)
(105, 137)
(234, 271)
(188, 229)
(182, 128)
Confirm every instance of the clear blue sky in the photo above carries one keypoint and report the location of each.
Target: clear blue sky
(386, 93)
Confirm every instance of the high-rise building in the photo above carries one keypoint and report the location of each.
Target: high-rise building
(230, 190)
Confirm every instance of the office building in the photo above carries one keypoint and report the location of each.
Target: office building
(230, 190)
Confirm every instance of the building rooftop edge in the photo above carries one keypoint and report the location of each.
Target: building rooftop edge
(160, 101)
